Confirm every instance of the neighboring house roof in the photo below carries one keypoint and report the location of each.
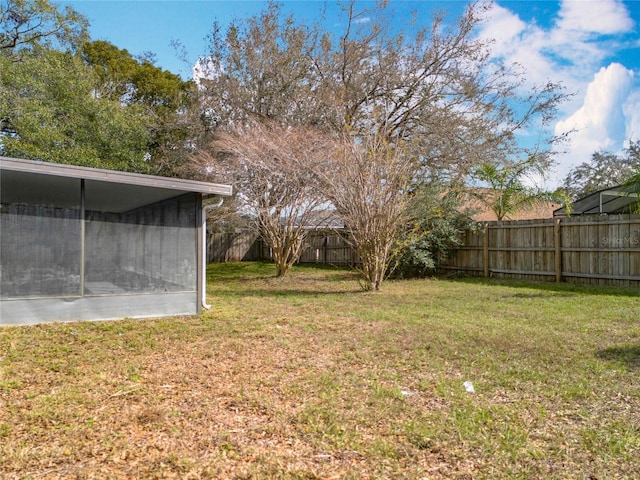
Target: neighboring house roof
(482, 213)
(323, 220)
(612, 200)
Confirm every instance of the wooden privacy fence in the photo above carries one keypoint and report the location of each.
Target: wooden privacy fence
(325, 247)
(602, 250)
(233, 247)
(329, 248)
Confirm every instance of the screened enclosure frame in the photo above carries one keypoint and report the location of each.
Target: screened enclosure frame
(79, 243)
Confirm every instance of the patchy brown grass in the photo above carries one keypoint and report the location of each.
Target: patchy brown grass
(308, 378)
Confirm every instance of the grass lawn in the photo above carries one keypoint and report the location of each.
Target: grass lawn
(307, 377)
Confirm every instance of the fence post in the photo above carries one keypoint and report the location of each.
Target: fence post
(558, 249)
(485, 250)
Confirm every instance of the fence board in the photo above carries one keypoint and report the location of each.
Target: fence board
(324, 248)
(233, 247)
(601, 250)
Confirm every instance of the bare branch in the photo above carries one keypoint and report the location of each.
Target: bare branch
(368, 179)
(272, 168)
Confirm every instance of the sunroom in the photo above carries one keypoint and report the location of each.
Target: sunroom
(80, 243)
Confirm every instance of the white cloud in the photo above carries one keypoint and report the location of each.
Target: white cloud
(600, 122)
(516, 42)
(504, 27)
(631, 109)
(574, 50)
(362, 20)
(568, 49)
(594, 16)
(581, 36)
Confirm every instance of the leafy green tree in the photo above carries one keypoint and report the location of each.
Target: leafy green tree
(114, 69)
(49, 106)
(162, 97)
(120, 76)
(435, 223)
(68, 100)
(604, 170)
(48, 111)
(25, 24)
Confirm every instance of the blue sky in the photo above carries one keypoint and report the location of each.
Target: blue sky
(591, 46)
(152, 25)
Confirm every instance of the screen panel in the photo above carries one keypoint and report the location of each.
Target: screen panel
(41, 236)
(148, 249)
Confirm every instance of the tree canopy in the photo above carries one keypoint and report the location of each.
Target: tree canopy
(430, 100)
(25, 24)
(436, 90)
(66, 99)
(47, 105)
(604, 170)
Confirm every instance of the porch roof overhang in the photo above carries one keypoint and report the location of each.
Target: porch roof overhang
(120, 190)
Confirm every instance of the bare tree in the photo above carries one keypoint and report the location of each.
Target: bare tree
(257, 98)
(259, 68)
(368, 179)
(436, 91)
(430, 103)
(271, 167)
